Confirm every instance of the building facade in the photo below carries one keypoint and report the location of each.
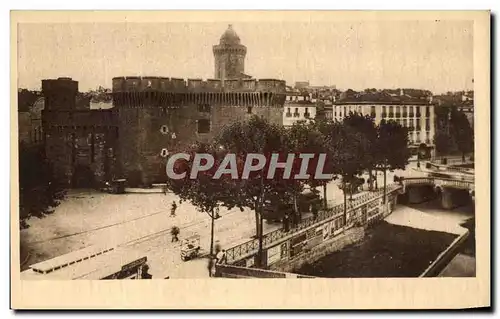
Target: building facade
(298, 107)
(416, 114)
(151, 118)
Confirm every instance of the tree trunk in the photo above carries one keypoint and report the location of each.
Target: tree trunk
(371, 180)
(345, 206)
(261, 211)
(463, 157)
(257, 224)
(385, 185)
(261, 239)
(325, 201)
(295, 206)
(376, 180)
(212, 235)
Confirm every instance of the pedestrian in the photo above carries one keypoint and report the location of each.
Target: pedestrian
(221, 257)
(286, 223)
(217, 247)
(145, 272)
(173, 209)
(314, 210)
(175, 233)
(211, 266)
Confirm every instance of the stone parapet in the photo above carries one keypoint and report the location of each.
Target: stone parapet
(176, 85)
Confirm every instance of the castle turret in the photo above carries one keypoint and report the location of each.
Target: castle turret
(229, 56)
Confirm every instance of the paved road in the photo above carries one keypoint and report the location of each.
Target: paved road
(142, 221)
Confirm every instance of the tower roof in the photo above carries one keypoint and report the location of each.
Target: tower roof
(229, 37)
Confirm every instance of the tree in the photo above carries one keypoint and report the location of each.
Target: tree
(445, 143)
(392, 150)
(204, 191)
(347, 145)
(365, 125)
(462, 132)
(255, 136)
(327, 128)
(39, 193)
(306, 138)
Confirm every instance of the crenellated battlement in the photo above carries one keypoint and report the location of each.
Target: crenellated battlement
(176, 85)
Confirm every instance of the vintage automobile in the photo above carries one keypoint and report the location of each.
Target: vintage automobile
(190, 247)
(116, 186)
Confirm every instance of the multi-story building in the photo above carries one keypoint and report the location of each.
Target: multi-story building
(417, 114)
(151, 118)
(298, 107)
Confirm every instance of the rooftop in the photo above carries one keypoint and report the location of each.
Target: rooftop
(229, 37)
(381, 97)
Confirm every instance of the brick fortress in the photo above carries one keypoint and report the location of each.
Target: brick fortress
(151, 118)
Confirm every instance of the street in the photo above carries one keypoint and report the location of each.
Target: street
(142, 222)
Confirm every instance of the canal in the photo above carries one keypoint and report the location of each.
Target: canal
(404, 245)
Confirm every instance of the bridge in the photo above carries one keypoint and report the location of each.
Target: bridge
(454, 189)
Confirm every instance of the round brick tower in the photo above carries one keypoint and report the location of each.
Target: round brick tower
(229, 56)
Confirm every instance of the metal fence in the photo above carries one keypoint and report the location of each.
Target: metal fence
(452, 160)
(463, 181)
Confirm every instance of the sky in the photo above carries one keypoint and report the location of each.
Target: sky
(433, 55)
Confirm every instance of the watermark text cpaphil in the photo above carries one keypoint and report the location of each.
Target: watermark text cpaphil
(253, 162)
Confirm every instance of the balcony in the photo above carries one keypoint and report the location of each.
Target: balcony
(307, 115)
(391, 114)
(288, 114)
(384, 114)
(411, 114)
(296, 114)
(419, 114)
(398, 115)
(373, 114)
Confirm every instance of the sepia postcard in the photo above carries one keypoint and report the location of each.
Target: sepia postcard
(250, 160)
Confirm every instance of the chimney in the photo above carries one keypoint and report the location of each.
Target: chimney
(401, 92)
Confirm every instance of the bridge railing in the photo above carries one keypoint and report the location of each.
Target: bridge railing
(418, 181)
(252, 246)
(450, 160)
(456, 183)
(464, 182)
